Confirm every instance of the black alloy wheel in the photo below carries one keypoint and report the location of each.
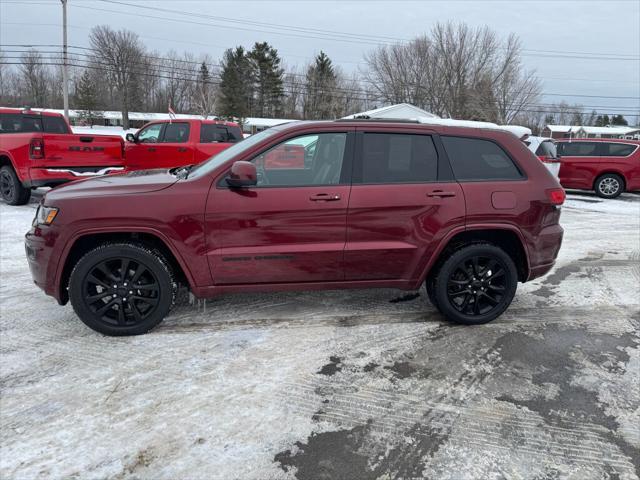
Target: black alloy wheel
(11, 190)
(476, 284)
(122, 289)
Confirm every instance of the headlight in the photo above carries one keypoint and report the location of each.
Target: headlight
(45, 215)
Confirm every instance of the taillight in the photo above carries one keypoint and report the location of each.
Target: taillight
(556, 195)
(36, 148)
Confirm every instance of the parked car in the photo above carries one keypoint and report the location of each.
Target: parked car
(545, 149)
(608, 166)
(469, 212)
(176, 143)
(38, 149)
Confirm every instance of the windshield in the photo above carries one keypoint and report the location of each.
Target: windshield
(214, 162)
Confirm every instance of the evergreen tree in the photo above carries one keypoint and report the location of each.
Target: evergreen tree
(87, 98)
(320, 89)
(204, 92)
(268, 89)
(619, 120)
(235, 84)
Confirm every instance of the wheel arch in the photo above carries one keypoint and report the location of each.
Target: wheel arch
(85, 241)
(507, 237)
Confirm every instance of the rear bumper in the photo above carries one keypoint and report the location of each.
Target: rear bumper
(52, 176)
(545, 250)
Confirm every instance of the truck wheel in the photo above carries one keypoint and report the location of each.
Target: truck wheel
(11, 189)
(476, 284)
(609, 185)
(122, 289)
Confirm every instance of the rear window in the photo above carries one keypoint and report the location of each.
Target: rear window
(19, 123)
(547, 149)
(210, 133)
(397, 158)
(578, 149)
(619, 149)
(54, 124)
(477, 159)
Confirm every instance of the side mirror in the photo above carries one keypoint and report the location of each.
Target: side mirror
(243, 174)
(131, 137)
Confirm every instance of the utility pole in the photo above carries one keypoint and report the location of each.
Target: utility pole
(65, 61)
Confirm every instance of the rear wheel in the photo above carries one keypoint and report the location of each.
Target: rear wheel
(609, 185)
(11, 189)
(476, 284)
(122, 289)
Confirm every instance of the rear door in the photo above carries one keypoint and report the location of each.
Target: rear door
(579, 163)
(213, 139)
(403, 201)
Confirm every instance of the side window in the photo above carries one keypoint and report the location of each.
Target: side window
(54, 124)
(150, 134)
(477, 159)
(619, 149)
(210, 133)
(176, 133)
(397, 158)
(234, 134)
(547, 149)
(578, 149)
(307, 160)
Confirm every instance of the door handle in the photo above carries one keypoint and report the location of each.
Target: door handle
(151, 149)
(324, 197)
(440, 194)
(182, 149)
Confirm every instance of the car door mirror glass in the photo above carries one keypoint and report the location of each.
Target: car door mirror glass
(242, 174)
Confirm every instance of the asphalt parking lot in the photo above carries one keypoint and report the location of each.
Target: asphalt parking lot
(350, 384)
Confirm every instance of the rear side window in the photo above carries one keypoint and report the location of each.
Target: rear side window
(17, 123)
(477, 159)
(619, 149)
(578, 149)
(176, 133)
(210, 133)
(547, 149)
(397, 158)
(54, 124)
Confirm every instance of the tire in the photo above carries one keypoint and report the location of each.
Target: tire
(11, 188)
(489, 276)
(430, 287)
(115, 304)
(609, 185)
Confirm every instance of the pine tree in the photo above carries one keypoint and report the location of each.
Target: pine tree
(619, 120)
(320, 90)
(204, 95)
(268, 89)
(87, 98)
(235, 84)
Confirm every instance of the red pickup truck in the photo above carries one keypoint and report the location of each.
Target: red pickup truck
(38, 149)
(167, 144)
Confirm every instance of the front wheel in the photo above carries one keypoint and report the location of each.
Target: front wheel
(609, 185)
(476, 284)
(122, 289)
(11, 188)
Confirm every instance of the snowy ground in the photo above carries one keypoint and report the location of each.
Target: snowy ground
(353, 384)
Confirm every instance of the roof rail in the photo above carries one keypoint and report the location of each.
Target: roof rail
(366, 118)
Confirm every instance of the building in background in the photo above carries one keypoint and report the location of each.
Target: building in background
(581, 131)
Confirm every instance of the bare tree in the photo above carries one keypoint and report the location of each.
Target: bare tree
(35, 77)
(119, 53)
(455, 71)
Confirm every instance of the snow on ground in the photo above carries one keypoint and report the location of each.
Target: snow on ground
(348, 384)
(103, 130)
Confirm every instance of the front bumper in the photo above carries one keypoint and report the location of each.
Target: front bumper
(39, 250)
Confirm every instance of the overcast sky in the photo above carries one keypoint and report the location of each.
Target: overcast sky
(577, 47)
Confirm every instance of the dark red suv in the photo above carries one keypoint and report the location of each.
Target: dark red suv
(468, 211)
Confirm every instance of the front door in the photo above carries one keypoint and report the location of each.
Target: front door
(290, 227)
(401, 203)
(174, 148)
